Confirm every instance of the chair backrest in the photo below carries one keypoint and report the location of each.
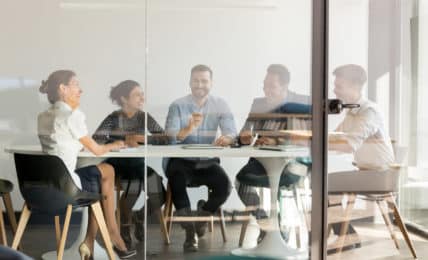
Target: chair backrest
(45, 183)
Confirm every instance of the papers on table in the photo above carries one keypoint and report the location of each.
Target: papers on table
(280, 148)
(129, 149)
(201, 146)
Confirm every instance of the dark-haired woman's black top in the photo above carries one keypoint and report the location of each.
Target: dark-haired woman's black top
(117, 125)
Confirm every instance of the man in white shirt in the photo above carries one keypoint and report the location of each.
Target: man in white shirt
(363, 127)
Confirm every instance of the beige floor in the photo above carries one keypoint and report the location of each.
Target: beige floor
(376, 243)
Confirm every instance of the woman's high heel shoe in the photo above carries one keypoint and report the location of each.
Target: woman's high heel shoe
(85, 252)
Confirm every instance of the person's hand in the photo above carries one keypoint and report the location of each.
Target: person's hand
(195, 120)
(119, 144)
(223, 140)
(134, 140)
(246, 137)
(266, 141)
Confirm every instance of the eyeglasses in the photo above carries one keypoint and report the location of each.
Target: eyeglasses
(74, 83)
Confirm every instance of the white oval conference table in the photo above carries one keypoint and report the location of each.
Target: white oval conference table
(273, 161)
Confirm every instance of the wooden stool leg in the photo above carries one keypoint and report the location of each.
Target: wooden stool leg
(10, 212)
(388, 223)
(2, 229)
(23, 220)
(98, 214)
(345, 224)
(64, 233)
(402, 226)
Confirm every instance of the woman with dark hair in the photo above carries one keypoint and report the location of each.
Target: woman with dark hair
(128, 124)
(62, 132)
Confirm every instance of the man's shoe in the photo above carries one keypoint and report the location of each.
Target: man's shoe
(191, 241)
(261, 236)
(138, 220)
(201, 226)
(125, 233)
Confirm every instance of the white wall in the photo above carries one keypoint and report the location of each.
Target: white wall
(105, 42)
(422, 88)
(348, 40)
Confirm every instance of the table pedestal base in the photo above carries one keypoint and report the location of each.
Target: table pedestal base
(273, 245)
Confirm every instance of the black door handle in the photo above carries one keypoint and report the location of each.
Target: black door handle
(335, 106)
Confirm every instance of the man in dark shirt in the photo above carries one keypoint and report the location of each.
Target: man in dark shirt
(265, 119)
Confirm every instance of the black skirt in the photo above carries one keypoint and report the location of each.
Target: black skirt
(90, 178)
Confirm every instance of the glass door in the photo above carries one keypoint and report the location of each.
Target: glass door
(374, 158)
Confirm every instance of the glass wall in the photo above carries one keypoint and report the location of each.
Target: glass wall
(412, 102)
(376, 145)
(237, 50)
(250, 89)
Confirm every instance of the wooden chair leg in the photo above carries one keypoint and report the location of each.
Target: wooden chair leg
(23, 220)
(10, 212)
(345, 224)
(64, 233)
(118, 189)
(244, 229)
(164, 229)
(222, 224)
(388, 223)
(168, 212)
(297, 231)
(299, 205)
(98, 213)
(211, 225)
(57, 232)
(401, 225)
(2, 229)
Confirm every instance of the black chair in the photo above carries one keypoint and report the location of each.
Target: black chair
(6, 188)
(48, 188)
(10, 254)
